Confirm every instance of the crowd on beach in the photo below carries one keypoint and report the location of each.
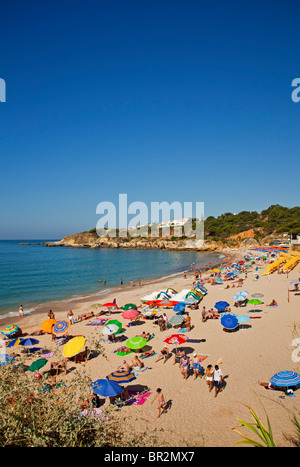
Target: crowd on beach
(188, 365)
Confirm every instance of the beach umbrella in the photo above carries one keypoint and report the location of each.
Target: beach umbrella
(257, 295)
(176, 339)
(168, 303)
(28, 342)
(221, 305)
(60, 328)
(129, 306)
(74, 346)
(294, 283)
(153, 302)
(229, 321)
(176, 319)
(285, 379)
(106, 388)
(10, 329)
(110, 329)
(121, 376)
(130, 314)
(47, 325)
(179, 307)
(255, 301)
(110, 305)
(14, 342)
(243, 319)
(136, 342)
(38, 364)
(239, 297)
(116, 323)
(219, 281)
(149, 312)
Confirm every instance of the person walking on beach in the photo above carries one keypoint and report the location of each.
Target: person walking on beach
(161, 402)
(21, 311)
(209, 375)
(196, 365)
(218, 379)
(70, 316)
(184, 366)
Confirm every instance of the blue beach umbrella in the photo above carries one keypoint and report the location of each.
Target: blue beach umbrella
(239, 296)
(179, 307)
(220, 306)
(106, 388)
(285, 379)
(229, 321)
(28, 342)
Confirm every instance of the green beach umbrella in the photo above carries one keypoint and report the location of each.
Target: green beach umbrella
(116, 323)
(136, 342)
(254, 301)
(38, 364)
(129, 306)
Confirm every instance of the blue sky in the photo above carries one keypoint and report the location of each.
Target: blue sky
(162, 100)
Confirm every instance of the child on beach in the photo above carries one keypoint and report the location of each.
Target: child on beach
(161, 402)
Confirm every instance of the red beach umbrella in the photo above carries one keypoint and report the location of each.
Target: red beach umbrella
(176, 339)
(130, 314)
(110, 305)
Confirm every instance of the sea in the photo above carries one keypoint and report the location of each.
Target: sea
(32, 275)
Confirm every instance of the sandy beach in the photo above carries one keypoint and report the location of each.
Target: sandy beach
(194, 416)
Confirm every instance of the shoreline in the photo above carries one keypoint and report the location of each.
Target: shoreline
(79, 301)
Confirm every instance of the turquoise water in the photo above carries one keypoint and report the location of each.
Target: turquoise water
(34, 274)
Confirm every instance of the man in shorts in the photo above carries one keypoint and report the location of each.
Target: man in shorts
(218, 379)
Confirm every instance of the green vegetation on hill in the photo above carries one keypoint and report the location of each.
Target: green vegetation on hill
(275, 219)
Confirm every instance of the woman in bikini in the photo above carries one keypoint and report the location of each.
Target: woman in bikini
(209, 373)
(161, 402)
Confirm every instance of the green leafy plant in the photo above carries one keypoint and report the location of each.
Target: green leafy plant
(265, 435)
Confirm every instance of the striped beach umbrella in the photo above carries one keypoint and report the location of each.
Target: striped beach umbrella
(60, 328)
(121, 376)
(10, 329)
(257, 295)
(176, 319)
(285, 379)
(136, 342)
(14, 342)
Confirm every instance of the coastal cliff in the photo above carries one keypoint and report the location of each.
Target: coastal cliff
(91, 240)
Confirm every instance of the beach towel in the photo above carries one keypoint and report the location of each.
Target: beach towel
(95, 323)
(155, 353)
(139, 370)
(122, 354)
(196, 341)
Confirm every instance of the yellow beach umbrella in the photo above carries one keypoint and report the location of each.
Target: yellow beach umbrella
(74, 346)
(47, 325)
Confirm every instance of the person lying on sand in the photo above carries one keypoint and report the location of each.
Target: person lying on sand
(136, 362)
(273, 303)
(124, 367)
(163, 354)
(147, 354)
